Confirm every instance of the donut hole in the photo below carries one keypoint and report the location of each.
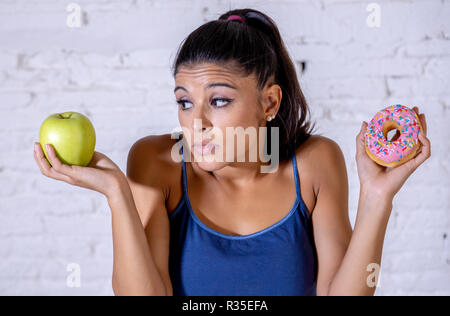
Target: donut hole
(391, 131)
(393, 135)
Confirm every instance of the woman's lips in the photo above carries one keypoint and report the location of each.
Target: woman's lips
(205, 149)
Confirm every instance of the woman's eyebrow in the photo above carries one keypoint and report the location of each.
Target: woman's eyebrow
(215, 84)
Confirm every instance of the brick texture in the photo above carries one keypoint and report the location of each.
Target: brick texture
(116, 69)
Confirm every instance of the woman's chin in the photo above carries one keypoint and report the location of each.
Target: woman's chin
(208, 162)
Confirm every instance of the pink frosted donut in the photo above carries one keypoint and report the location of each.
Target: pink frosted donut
(399, 149)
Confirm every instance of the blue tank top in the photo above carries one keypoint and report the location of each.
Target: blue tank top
(278, 260)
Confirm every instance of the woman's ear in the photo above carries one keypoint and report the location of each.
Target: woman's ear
(272, 99)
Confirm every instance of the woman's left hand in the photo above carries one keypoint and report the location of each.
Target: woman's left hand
(384, 181)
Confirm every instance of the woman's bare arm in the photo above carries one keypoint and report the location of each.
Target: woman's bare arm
(345, 256)
(331, 223)
(139, 219)
(349, 263)
(134, 271)
(359, 269)
(140, 229)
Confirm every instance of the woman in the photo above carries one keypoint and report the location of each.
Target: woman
(238, 231)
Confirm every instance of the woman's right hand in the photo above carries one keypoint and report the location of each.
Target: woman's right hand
(101, 175)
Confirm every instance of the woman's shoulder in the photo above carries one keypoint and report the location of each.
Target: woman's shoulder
(315, 146)
(150, 160)
(159, 146)
(317, 157)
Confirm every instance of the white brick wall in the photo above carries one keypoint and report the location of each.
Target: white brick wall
(116, 69)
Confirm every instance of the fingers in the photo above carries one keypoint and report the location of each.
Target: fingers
(423, 154)
(422, 119)
(423, 122)
(41, 161)
(360, 140)
(56, 170)
(56, 163)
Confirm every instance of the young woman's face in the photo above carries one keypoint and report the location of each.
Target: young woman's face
(212, 98)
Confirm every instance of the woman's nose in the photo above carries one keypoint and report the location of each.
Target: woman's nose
(201, 121)
(201, 125)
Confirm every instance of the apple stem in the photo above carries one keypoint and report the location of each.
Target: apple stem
(67, 116)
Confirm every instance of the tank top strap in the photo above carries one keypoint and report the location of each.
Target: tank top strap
(295, 170)
(180, 143)
(303, 207)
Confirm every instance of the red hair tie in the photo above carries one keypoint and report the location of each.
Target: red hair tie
(236, 17)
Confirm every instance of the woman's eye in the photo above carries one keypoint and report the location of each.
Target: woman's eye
(221, 101)
(182, 103)
(217, 102)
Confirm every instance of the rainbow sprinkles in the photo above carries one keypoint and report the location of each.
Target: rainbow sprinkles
(390, 151)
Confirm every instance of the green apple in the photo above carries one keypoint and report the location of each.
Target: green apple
(71, 134)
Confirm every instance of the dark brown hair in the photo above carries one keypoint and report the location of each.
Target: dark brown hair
(253, 47)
